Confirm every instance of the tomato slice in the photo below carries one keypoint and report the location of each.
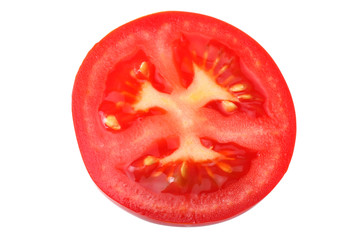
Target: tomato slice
(183, 119)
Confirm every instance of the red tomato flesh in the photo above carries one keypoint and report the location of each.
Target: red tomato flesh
(183, 119)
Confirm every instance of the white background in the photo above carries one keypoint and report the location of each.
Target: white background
(45, 191)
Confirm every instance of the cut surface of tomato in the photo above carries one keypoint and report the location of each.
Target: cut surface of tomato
(183, 119)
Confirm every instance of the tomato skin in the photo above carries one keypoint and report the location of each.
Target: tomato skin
(96, 143)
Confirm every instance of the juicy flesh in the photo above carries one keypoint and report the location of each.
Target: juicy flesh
(186, 163)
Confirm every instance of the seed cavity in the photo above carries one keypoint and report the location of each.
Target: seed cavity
(186, 174)
(238, 87)
(112, 122)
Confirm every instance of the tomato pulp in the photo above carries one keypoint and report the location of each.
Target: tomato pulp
(183, 119)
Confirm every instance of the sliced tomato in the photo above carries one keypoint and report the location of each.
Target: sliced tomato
(183, 119)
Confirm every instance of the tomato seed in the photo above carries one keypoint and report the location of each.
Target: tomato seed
(150, 160)
(228, 106)
(111, 122)
(238, 87)
(224, 166)
(144, 69)
(183, 169)
(245, 96)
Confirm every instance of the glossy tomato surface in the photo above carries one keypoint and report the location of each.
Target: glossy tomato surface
(183, 119)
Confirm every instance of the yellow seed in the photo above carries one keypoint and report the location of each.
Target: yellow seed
(238, 87)
(127, 94)
(144, 69)
(223, 69)
(119, 104)
(156, 174)
(209, 172)
(224, 166)
(206, 53)
(227, 80)
(194, 53)
(112, 122)
(217, 60)
(245, 96)
(150, 160)
(128, 83)
(132, 74)
(228, 105)
(184, 169)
